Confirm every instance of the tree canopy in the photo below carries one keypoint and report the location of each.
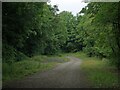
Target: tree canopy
(36, 28)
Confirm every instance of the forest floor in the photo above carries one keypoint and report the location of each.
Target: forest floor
(64, 75)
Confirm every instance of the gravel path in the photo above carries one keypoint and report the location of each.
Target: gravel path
(65, 75)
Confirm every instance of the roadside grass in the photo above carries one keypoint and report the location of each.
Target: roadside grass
(18, 70)
(80, 55)
(99, 72)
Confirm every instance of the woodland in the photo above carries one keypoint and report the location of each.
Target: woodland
(31, 29)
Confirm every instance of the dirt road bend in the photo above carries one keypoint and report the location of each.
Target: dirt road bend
(64, 75)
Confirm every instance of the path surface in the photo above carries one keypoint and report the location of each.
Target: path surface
(65, 75)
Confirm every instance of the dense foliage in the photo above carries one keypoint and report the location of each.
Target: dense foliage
(99, 29)
(36, 28)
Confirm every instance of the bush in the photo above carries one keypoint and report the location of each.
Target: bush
(10, 54)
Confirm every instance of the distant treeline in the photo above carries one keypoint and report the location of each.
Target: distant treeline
(36, 28)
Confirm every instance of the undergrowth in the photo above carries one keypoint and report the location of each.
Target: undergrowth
(99, 72)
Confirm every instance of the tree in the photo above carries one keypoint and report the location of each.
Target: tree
(99, 28)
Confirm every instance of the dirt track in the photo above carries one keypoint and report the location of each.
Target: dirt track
(65, 75)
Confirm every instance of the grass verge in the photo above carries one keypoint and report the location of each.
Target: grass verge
(18, 70)
(99, 72)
